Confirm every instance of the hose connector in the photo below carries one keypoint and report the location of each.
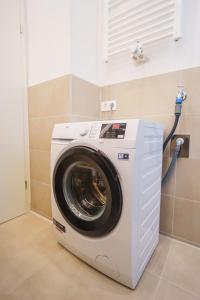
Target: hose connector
(179, 143)
(181, 96)
(175, 154)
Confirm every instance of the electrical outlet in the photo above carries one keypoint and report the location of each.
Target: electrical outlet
(109, 105)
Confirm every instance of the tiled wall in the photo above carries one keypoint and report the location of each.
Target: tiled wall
(153, 98)
(70, 98)
(85, 98)
(63, 99)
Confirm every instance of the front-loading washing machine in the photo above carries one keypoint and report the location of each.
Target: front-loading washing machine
(106, 187)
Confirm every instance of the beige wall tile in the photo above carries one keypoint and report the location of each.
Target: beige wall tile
(187, 220)
(160, 93)
(191, 125)
(50, 98)
(188, 174)
(40, 165)
(77, 118)
(129, 96)
(169, 186)
(183, 267)
(153, 98)
(41, 198)
(85, 98)
(190, 81)
(166, 214)
(40, 131)
(49, 103)
(72, 99)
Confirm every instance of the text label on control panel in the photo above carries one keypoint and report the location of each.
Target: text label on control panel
(113, 131)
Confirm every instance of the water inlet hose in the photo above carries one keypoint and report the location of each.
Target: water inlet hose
(171, 132)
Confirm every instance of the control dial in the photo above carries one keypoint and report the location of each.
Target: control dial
(84, 132)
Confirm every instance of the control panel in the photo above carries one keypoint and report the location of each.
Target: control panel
(113, 131)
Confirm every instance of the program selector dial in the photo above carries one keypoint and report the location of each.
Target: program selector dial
(84, 132)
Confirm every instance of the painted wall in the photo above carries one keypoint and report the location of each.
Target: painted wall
(47, 39)
(84, 39)
(164, 57)
(62, 38)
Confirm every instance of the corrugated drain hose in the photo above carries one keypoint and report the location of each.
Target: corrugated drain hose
(179, 143)
(181, 96)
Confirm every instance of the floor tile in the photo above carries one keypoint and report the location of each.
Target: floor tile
(18, 266)
(183, 267)
(35, 267)
(53, 284)
(160, 255)
(168, 291)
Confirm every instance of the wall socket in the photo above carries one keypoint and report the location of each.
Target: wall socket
(109, 105)
(185, 148)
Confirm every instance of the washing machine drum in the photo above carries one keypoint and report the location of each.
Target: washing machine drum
(87, 191)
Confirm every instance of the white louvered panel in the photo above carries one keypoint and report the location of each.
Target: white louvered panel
(129, 21)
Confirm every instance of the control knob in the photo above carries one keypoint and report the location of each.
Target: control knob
(84, 132)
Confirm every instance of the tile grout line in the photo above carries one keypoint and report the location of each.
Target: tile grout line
(179, 239)
(181, 288)
(41, 182)
(158, 286)
(44, 151)
(49, 117)
(164, 266)
(40, 216)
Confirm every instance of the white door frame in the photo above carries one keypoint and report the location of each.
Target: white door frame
(25, 100)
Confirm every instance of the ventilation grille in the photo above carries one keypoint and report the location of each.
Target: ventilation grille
(129, 21)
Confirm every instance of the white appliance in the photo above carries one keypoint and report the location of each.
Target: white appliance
(106, 186)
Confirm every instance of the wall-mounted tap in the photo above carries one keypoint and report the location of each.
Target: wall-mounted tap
(137, 52)
(181, 96)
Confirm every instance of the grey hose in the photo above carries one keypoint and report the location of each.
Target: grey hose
(179, 143)
(171, 132)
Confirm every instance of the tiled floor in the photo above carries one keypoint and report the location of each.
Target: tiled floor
(34, 267)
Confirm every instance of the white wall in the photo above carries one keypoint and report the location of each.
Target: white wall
(84, 39)
(47, 39)
(165, 57)
(62, 38)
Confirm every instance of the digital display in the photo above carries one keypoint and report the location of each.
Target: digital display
(113, 131)
(116, 126)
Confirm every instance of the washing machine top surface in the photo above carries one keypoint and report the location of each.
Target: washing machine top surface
(112, 130)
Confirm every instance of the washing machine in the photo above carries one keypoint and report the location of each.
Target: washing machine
(106, 187)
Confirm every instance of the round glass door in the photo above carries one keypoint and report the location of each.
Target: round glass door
(87, 191)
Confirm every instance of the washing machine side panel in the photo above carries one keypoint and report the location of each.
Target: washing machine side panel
(147, 192)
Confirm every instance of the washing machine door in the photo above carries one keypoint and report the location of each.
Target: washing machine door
(87, 191)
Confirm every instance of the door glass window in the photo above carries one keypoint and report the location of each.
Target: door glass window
(86, 190)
